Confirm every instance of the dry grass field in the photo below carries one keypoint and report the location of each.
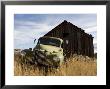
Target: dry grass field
(77, 65)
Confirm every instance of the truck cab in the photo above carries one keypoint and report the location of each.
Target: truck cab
(49, 51)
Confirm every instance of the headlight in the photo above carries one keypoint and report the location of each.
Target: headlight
(42, 50)
(56, 58)
(60, 57)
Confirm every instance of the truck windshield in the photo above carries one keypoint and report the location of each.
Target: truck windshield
(49, 41)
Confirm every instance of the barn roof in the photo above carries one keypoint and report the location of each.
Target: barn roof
(66, 23)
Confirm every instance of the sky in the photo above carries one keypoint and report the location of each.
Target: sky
(28, 27)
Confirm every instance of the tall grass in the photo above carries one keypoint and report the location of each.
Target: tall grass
(77, 65)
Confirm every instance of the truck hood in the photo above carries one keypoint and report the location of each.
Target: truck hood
(49, 48)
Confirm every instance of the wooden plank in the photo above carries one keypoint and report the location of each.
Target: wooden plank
(79, 41)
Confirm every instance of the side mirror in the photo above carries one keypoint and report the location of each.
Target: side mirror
(34, 41)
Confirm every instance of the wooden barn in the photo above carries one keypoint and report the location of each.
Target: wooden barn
(76, 41)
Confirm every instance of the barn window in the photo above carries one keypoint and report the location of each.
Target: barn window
(67, 41)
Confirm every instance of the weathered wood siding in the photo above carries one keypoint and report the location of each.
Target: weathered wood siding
(79, 42)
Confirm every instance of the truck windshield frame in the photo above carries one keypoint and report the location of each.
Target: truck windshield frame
(49, 41)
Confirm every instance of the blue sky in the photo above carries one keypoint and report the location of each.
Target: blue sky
(28, 27)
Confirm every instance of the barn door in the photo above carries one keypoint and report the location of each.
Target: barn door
(66, 46)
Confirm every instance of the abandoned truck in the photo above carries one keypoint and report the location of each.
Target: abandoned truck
(48, 51)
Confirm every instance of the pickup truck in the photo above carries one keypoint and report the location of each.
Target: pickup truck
(49, 51)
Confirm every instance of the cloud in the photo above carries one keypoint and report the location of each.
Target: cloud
(28, 27)
(26, 33)
(91, 29)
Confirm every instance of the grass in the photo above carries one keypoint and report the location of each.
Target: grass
(77, 65)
